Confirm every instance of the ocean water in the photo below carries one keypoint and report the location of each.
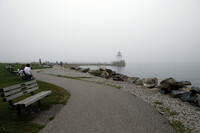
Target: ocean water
(179, 71)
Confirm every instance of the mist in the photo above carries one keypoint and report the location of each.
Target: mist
(94, 31)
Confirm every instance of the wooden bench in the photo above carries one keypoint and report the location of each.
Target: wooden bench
(10, 69)
(12, 92)
(7, 67)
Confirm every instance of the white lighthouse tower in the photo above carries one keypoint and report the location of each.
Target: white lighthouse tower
(119, 61)
(119, 56)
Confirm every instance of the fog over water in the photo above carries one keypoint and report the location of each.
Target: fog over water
(94, 31)
(156, 37)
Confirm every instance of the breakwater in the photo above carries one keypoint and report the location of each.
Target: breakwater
(114, 63)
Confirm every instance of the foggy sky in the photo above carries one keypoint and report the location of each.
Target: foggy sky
(95, 30)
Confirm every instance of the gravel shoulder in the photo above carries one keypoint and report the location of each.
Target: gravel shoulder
(172, 109)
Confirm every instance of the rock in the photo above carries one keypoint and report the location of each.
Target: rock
(72, 68)
(137, 81)
(96, 73)
(129, 80)
(109, 71)
(150, 82)
(135, 78)
(170, 84)
(186, 96)
(77, 68)
(177, 93)
(113, 73)
(118, 77)
(185, 89)
(198, 99)
(124, 77)
(195, 89)
(162, 91)
(85, 70)
(102, 68)
(157, 86)
(186, 83)
(105, 74)
(91, 70)
(193, 99)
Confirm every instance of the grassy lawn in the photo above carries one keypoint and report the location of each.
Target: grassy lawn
(9, 121)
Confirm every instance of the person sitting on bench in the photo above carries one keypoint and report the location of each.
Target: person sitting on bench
(27, 71)
(21, 72)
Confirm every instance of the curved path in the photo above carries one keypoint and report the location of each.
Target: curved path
(97, 108)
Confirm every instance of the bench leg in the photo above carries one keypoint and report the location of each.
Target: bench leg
(11, 103)
(19, 110)
(39, 103)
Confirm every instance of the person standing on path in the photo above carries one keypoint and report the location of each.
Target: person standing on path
(61, 64)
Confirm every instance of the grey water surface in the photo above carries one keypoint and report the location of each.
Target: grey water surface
(179, 71)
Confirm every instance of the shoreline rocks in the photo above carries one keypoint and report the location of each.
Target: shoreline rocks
(150, 82)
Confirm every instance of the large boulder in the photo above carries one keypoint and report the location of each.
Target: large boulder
(170, 84)
(109, 71)
(102, 68)
(105, 74)
(96, 73)
(150, 82)
(77, 68)
(72, 68)
(85, 70)
(177, 93)
(185, 89)
(129, 80)
(137, 81)
(195, 90)
(118, 77)
(91, 70)
(135, 78)
(186, 96)
(198, 99)
(193, 99)
(125, 77)
(186, 83)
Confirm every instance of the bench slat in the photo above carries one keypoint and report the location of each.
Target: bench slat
(21, 93)
(33, 98)
(20, 89)
(18, 85)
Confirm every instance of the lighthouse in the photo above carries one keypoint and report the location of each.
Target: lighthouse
(119, 61)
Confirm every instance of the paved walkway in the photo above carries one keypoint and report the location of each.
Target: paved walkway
(97, 108)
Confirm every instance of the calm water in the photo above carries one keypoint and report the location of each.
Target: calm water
(180, 72)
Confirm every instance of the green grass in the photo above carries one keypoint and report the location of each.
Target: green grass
(9, 121)
(51, 118)
(179, 127)
(115, 86)
(168, 111)
(158, 102)
(164, 109)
